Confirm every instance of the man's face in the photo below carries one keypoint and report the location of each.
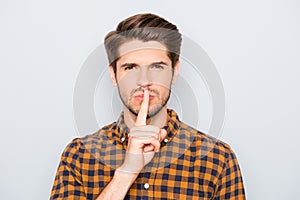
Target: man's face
(144, 65)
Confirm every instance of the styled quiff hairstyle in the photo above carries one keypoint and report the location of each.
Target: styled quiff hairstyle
(144, 27)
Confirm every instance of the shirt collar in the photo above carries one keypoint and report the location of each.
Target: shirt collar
(172, 127)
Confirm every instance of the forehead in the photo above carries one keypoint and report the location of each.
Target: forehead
(139, 52)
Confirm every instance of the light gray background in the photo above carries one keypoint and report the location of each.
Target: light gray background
(254, 44)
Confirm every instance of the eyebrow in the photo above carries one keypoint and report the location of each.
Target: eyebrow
(134, 64)
(128, 65)
(159, 63)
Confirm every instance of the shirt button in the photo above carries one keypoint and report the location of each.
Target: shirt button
(166, 140)
(122, 139)
(146, 186)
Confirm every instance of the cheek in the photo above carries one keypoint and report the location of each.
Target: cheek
(163, 86)
(126, 84)
(128, 79)
(163, 80)
(164, 93)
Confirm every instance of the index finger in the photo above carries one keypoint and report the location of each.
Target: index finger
(142, 116)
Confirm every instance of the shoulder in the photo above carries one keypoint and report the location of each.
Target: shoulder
(83, 145)
(105, 133)
(206, 144)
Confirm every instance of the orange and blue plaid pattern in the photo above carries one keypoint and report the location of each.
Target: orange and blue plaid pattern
(190, 165)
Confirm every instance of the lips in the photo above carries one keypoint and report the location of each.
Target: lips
(140, 97)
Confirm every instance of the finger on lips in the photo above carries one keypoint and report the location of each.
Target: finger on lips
(148, 134)
(142, 115)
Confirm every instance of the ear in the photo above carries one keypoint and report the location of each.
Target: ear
(112, 76)
(176, 72)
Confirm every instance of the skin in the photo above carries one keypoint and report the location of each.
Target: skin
(144, 88)
(145, 75)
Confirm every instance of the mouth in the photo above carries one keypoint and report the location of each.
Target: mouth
(140, 97)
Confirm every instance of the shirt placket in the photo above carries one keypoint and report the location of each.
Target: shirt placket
(147, 185)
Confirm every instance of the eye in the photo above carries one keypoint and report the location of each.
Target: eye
(130, 67)
(157, 66)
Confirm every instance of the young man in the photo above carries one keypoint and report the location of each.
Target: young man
(148, 153)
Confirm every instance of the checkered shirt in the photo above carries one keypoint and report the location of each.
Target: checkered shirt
(189, 165)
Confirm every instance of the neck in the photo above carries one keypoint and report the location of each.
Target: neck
(159, 120)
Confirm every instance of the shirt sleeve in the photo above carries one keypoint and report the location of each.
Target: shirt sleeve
(230, 184)
(68, 182)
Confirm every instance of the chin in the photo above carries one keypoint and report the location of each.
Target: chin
(154, 110)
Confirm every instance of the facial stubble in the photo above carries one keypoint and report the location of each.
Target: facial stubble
(156, 108)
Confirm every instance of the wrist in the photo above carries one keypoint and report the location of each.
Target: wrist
(124, 172)
(118, 186)
(124, 178)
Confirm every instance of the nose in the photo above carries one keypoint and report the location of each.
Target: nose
(144, 77)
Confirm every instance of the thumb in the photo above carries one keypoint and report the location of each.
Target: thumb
(162, 134)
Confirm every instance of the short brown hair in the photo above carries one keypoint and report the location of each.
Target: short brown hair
(144, 27)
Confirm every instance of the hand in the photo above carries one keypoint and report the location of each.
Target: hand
(144, 140)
